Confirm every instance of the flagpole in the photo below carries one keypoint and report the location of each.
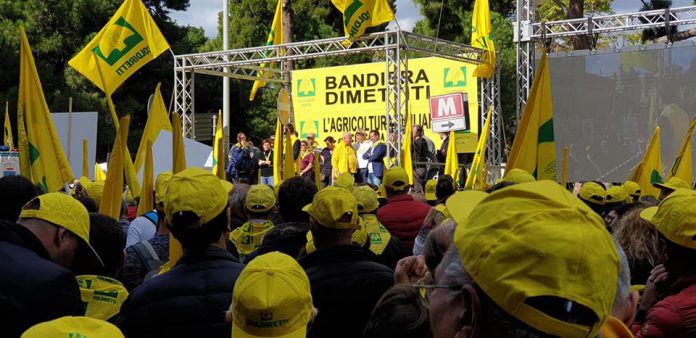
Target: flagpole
(109, 103)
(225, 80)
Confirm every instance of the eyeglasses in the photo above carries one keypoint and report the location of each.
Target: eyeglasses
(426, 283)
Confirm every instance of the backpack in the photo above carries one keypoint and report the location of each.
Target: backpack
(245, 166)
(149, 257)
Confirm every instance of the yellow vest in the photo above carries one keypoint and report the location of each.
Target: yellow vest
(102, 296)
(378, 234)
(248, 237)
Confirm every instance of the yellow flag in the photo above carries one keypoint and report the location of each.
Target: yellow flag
(683, 164)
(477, 165)
(564, 167)
(317, 170)
(129, 40)
(358, 15)
(288, 162)
(178, 154)
(451, 160)
(157, 120)
(113, 187)
(85, 161)
(275, 37)
(406, 159)
(277, 152)
(7, 134)
(24, 163)
(218, 151)
(99, 174)
(50, 169)
(147, 199)
(649, 170)
(481, 38)
(534, 149)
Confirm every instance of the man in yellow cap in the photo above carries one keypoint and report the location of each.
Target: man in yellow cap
(594, 195)
(36, 254)
(633, 190)
(380, 246)
(190, 299)
(402, 215)
(530, 260)
(271, 298)
(345, 286)
(673, 183)
(144, 258)
(259, 205)
(668, 305)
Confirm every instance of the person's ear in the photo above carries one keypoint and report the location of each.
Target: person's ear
(469, 313)
(62, 236)
(631, 307)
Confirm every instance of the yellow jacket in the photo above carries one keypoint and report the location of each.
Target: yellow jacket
(344, 159)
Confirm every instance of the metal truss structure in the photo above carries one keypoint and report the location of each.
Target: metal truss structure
(395, 46)
(527, 32)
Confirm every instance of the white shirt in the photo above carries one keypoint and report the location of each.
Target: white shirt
(141, 229)
(364, 147)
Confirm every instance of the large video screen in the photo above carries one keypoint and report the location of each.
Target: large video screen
(607, 104)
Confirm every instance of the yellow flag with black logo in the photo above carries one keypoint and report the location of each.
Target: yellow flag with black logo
(275, 37)
(358, 15)
(534, 147)
(129, 40)
(683, 164)
(649, 170)
(49, 167)
(481, 38)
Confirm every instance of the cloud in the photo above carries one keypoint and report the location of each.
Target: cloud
(201, 13)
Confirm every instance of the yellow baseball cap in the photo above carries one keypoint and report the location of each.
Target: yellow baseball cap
(93, 190)
(271, 298)
(73, 327)
(518, 176)
(674, 217)
(161, 186)
(536, 240)
(632, 188)
(330, 205)
(396, 179)
(616, 194)
(102, 295)
(64, 211)
(673, 183)
(366, 198)
(430, 190)
(198, 191)
(459, 205)
(592, 192)
(227, 185)
(260, 198)
(345, 181)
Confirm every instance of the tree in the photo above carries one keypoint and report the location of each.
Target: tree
(552, 10)
(58, 29)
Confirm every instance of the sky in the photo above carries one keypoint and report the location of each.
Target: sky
(203, 13)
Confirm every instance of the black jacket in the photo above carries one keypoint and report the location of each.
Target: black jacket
(345, 288)
(33, 289)
(188, 301)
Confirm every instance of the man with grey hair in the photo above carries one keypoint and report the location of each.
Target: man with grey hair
(625, 302)
(530, 260)
(344, 159)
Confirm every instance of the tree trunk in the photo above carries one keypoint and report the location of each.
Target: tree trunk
(576, 9)
(678, 36)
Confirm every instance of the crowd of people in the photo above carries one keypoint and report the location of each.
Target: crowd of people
(361, 154)
(364, 256)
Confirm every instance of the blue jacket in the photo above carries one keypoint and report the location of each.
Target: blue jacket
(188, 301)
(33, 288)
(234, 157)
(376, 156)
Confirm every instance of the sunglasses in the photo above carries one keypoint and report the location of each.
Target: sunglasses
(427, 283)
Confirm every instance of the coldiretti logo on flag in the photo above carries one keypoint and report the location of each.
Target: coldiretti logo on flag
(358, 15)
(129, 40)
(455, 77)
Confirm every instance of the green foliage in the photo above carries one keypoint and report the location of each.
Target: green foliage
(58, 29)
(551, 10)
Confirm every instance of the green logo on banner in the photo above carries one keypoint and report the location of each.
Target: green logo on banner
(655, 177)
(111, 42)
(303, 132)
(455, 77)
(303, 91)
